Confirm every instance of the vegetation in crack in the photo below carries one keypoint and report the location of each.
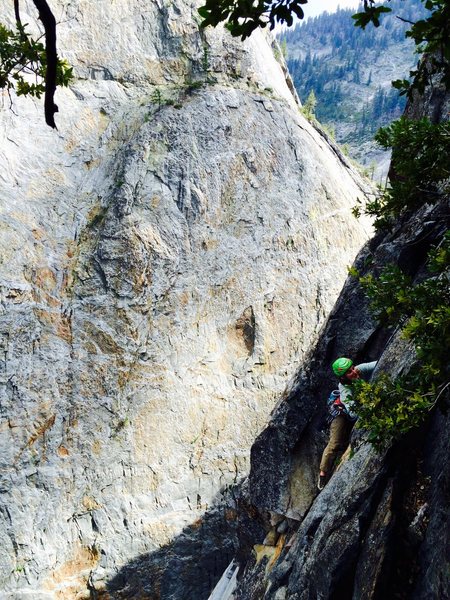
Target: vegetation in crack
(176, 95)
(421, 170)
(390, 407)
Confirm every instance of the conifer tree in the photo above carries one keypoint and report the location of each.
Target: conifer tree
(310, 105)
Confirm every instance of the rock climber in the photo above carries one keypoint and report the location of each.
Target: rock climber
(341, 412)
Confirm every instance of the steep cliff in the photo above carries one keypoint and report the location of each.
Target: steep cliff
(167, 257)
(379, 529)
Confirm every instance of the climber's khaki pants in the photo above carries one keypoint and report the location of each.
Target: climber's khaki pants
(340, 430)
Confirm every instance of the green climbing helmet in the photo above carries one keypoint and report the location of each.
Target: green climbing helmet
(341, 366)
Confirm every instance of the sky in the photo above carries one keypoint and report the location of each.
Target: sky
(315, 7)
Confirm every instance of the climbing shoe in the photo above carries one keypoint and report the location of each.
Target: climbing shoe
(322, 481)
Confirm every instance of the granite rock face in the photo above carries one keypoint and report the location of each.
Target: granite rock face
(378, 529)
(167, 257)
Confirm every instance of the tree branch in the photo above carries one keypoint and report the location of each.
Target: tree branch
(49, 23)
(406, 20)
(17, 13)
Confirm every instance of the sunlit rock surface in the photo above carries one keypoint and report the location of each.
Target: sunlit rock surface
(167, 257)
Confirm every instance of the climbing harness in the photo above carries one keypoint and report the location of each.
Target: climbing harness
(337, 408)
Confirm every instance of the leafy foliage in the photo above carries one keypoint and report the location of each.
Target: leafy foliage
(244, 16)
(389, 408)
(430, 35)
(420, 151)
(21, 57)
(371, 14)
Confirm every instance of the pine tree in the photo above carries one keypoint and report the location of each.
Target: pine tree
(310, 105)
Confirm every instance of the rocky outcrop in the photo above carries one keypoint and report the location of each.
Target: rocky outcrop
(379, 528)
(168, 255)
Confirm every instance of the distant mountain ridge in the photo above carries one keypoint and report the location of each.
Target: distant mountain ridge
(350, 72)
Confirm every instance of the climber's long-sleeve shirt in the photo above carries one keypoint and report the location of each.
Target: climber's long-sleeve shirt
(365, 373)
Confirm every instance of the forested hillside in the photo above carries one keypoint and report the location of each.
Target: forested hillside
(349, 72)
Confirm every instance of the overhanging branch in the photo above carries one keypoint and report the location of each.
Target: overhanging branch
(17, 13)
(49, 23)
